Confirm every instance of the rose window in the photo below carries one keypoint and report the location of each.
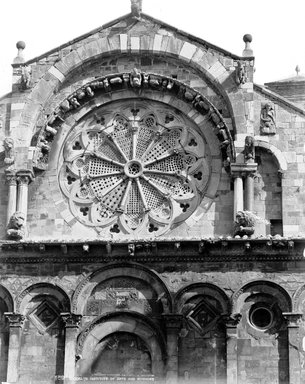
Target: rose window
(134, 167)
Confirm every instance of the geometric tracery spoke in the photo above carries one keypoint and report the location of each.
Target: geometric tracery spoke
(137, 171)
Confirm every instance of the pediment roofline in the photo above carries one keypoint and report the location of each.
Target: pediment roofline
(143, 17)
(280, 99)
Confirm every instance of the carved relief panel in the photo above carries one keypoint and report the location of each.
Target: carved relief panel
(122, 294)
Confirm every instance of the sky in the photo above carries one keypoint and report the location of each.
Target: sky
(277, 28)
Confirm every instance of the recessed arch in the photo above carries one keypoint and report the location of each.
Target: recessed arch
(120, 86)
(6, 296)
(42, 289)
(266, 287)
(121, 322)
(277, 154)
(195, 289)
(132, 270)
(298, 300)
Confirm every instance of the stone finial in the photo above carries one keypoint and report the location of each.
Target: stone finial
(247, 52)
(19, 59)
(298, 70)
(136, 8)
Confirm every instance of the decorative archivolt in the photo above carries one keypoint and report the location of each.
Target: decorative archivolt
(137, 82)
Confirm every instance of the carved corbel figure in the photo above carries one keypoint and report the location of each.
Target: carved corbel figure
(249, 153)
(135, 78)
(8, 144)
(16, 226)
(25, 81)
(241, 73)
(244, 224)
(74, 102)
(267, 124)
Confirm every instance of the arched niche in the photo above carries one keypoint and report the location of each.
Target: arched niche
(262, 327)
(268, 188)
(43, 331)
(202, 289)
(261, 287)
(43, 291)
(204, 307)
(130, 275)
(90, 343)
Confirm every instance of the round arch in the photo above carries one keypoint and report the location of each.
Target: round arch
(277, 154)
(132, 270)
(121, 86)
(185, 293)
(262, 287)
(46, 289)
(127, 322)
(298, 299)
(217, 74)
(6, 296)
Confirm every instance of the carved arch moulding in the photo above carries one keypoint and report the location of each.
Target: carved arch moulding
(139, 152)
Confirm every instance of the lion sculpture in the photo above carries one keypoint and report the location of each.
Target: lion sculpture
(16, 226)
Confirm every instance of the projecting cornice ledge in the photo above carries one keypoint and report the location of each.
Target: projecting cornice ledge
(274, 250)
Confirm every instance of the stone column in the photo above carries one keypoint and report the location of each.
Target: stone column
(231, 323)
(71, 322)
(11, 180)
(238, 194)
(15, 331)
(240, 171)
(173, 325)
(249, 195)
(293, 325)
(23, 179)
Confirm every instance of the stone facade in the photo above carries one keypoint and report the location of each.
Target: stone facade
(151, 214)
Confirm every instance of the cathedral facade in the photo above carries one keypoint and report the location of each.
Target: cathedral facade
(151, 213)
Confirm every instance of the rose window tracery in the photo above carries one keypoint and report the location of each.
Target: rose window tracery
(134, 167)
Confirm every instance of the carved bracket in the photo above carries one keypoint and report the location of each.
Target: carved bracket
(16, 320)
(71, 320)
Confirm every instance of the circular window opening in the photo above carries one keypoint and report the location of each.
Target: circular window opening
(261, 317)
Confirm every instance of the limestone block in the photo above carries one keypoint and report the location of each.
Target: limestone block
(57, 74)
(135, 43)
(69, 62)
(290, 157)
(187, 51)
(157, 43)
(123, 42)
(174, 45)
(114, 43)
(104, 45)
(88, 50)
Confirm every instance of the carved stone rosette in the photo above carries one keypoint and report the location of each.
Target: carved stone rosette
(126, 168)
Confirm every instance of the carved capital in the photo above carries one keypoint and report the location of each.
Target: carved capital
(24, 177)
(71, 320)
(243, 169)
(231, 321)
(10, 178)
(173, 321)
(16, 320)
(293, 319)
